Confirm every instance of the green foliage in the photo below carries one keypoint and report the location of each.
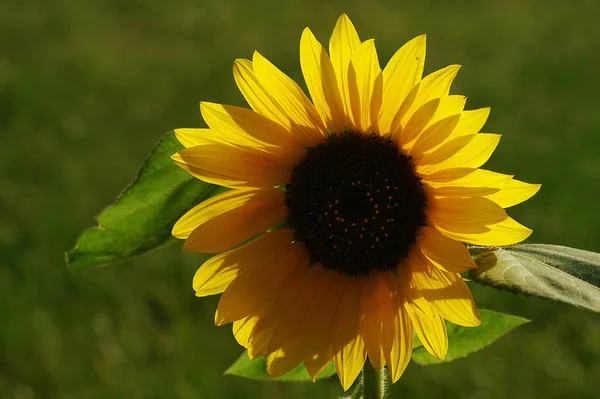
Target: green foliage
(547, 271)
(142, 216)
(463, 341)
(257, 369)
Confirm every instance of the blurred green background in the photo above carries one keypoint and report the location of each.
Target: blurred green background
(87, 88)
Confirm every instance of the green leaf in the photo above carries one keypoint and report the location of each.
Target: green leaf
(465, 340)
(257, 370)
(141, 217)
(358, 392)
(547, 271)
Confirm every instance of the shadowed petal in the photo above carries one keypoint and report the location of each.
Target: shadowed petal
(215, 275)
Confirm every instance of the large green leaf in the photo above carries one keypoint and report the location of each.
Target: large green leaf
(141, 217)
(465, 340)
(257, 369)
(548, 271)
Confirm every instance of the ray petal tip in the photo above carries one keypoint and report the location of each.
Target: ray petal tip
(256, 56)
(176, 231)
(241, 61)
(420, 40)
(178, 135)
(455, 67)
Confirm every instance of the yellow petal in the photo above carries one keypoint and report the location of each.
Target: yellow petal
(252, 293)
(285, 320)
(215, 275)
(344, 40)
(233, 217)
(283, 360)
(195, 137)
(473, 155)
(350, 361)
(457, 191)
(449, 105)
(471, 215)
(282, 320)
(398, 352)
(348, 346)
(189, 221)
(429, 326)
(249, 129)
(375, 306)
(191, 137)
(365, 85)
(471, 122)
(419, 120)
(467, 177)
(242, 330)
(444, 151)
(297, 107)
(433, 135)
(256, 95)
(446, 292)
(443, 252)
(434, 85)
(401, 74)
(321, 82)
(316, 300)
(293, 321)
(282, 328)
(318, 350)
(514, 193)
(506, 232)
(231, 166)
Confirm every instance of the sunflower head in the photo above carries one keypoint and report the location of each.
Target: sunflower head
(344, 229)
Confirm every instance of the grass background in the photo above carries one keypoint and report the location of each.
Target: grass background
(87, 88)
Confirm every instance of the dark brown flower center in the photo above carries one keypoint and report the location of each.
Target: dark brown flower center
(355, 203)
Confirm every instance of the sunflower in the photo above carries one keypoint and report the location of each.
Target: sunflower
(342, 234)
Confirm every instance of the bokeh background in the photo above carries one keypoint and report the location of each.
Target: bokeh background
(87, 88)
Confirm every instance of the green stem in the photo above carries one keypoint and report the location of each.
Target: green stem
(374, 382)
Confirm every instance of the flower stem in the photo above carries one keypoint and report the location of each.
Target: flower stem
(374, 382)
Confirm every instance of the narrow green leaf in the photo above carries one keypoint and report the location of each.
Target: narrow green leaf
(257, 370)
(358, 390)
(465, 340)
(141, 217)
(547, 271)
